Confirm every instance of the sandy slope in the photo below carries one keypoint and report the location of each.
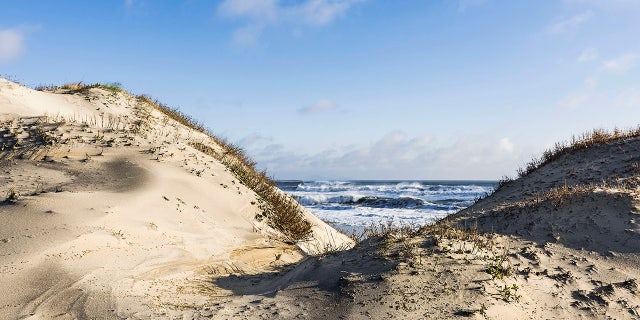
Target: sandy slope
(116, 215)
(117, 219)
(560, 243)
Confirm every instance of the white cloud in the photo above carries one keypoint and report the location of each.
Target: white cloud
(259, 14)
(322, 105)
(128, 3)
(620, 64)
(588, 54)
(395, 155)
(569, 24)
(11, 45)
(506, 145)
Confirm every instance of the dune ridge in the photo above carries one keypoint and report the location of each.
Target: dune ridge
(112, 213)
(560, 242)
(114, 209)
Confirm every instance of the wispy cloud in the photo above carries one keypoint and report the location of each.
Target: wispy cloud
(322, 105)
(259, 14)
(588, 54)
(620, 64)
(569, 24)
(12, 45)
(128, 3)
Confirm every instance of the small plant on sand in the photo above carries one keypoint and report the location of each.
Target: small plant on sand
(499, 267)
(12, 196)
(503, 182)
(510, 293)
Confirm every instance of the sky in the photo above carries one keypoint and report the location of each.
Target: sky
(352, 89)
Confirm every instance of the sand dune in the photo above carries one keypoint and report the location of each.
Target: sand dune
(558, 243)
(113, 209)
(110, 213)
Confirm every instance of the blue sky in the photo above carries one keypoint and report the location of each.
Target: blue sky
(352, 89)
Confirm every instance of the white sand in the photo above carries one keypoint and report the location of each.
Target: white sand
(113, 223)
(137, 224)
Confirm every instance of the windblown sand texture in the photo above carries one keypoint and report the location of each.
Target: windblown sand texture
(559, 243)
(116, 216)
(108, 212)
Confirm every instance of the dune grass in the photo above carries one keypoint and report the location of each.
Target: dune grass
(581, 142)
(75, 87)
(280, 211)
(576, 143)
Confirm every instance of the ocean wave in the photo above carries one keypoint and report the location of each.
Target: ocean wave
(364, 216)
(361, 203)
(414, 188)
(367, 201)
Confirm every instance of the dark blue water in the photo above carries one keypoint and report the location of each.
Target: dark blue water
(352, 205)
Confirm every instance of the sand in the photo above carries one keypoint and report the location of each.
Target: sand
(118, 220)
(559, 243)
(114, 220)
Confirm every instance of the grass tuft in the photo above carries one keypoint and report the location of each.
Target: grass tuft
(281, 211)
(584, 141)
(12, 195)
(76, 87)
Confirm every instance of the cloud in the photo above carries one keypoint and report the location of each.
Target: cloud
(259, 14)
(620, 64)
(506, 145)
(395, 155)
(11, 45)
(320, 106)
(588, 54)
(569, 24)
(128, 3)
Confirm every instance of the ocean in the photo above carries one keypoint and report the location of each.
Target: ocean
(353, 205)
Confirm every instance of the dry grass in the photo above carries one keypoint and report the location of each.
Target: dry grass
(175, 114)
(581, 142)
(280, 211)
(75, 87)
(584, 141)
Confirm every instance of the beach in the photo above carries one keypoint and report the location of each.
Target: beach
(116, 207)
